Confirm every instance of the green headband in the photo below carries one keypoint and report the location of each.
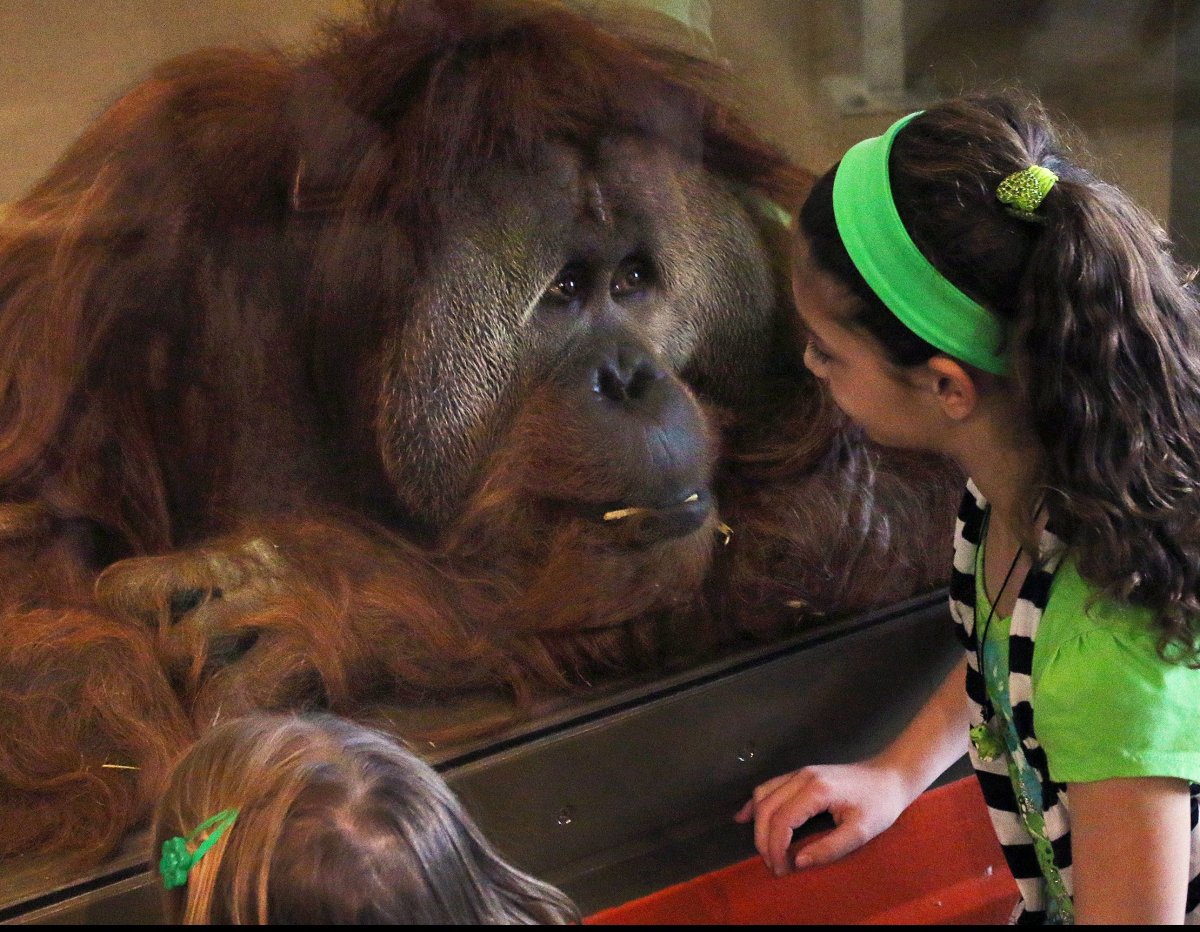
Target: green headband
(918, 294)
(177, 861)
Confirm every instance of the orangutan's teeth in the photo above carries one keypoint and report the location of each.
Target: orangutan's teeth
(695, 496)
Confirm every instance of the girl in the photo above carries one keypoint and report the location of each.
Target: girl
(969, 290)
(283, 819)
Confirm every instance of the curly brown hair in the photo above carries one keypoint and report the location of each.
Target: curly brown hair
(1104, 332)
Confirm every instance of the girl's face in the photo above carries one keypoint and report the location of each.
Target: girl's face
(882, 398)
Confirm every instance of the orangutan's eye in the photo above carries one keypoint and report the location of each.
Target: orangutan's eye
(635, 275)
(568, 285)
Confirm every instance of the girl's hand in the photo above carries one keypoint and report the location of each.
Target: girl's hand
(864, 799)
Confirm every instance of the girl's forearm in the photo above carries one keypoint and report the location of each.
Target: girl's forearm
(934, 739)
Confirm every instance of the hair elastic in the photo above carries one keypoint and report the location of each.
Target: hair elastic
(918, 294)
(1024, 191)
(177, 861)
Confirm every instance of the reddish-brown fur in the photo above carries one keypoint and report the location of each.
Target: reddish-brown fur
(197, 308)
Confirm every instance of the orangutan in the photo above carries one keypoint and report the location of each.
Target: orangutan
(456, 352)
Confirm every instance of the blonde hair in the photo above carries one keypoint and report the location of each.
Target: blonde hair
(337, 824)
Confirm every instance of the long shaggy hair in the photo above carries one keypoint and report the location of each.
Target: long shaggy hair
(256, 452)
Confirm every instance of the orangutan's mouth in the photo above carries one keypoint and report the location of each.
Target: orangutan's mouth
(645, 524)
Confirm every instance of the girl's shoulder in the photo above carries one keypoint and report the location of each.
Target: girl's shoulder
(1087, 640)
(1106, 704)
(1076, 609)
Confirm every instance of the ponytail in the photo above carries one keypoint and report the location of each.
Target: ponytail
(1109, 333)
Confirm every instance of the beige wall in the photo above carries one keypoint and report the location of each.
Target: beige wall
(63, 61)
(1106, 63)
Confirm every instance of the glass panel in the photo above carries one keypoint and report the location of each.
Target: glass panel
(815, 77)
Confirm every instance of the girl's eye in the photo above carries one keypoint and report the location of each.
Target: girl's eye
(816, 353)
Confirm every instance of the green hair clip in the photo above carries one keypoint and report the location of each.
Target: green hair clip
(1025, 190)
(177, 860)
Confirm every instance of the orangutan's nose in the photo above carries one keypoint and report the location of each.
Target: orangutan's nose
(625, 374)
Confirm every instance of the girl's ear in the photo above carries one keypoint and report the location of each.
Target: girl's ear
(953, 387)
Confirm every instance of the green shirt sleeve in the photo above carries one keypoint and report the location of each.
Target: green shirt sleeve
(1104, 703)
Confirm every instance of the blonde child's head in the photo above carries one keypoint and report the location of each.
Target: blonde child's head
(323, 820)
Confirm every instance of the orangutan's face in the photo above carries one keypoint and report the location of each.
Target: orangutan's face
(575, 322)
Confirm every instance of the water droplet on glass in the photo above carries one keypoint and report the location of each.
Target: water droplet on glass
(747, 752)
(566, 815)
